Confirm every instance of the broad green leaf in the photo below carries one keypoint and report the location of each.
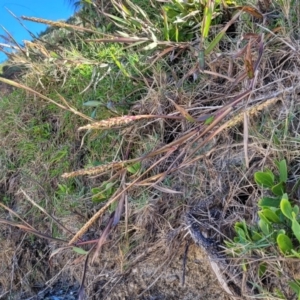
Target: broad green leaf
(92, 103)
(80, 250)
(283, 171)
(263, 217)
(256, 236)
(242, 225)
(295, 227)
(269, 202)
(270, 173)
(286, 207)
(264, 179)
(284, 243)
(296, 210)
(109, 188)
(278, 189)
(270, 215)
(242, 231)
(264, 226)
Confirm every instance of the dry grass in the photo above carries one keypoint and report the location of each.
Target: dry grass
(184, 159)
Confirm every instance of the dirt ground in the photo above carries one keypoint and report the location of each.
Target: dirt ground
(149, 276)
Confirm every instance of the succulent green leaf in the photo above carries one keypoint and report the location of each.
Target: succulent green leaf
(263, 217)
(270, 215)
(284, 243)
(264, 179)
(269, 202)
(264, 226)
(241, 235)
(278, 189)
(286, 207)
(270, 173)
(296, 210)
(283, 174)
(295, 227)
(295, 286)
(256, 236)
(242, 229)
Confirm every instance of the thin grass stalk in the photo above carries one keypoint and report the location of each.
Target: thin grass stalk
(26, 88)
(30, 230)
(61, 25)
(15, 214)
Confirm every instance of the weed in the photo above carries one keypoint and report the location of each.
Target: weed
(278, 224)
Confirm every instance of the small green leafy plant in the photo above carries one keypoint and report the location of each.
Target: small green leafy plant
(278, 223)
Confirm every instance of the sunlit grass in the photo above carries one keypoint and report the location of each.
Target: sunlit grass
(167, 91)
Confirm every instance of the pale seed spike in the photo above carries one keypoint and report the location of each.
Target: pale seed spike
(114, 122)
(95, 170)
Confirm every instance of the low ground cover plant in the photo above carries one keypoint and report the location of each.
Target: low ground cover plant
(277, 231)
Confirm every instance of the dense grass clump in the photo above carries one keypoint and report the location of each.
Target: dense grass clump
(119, 121)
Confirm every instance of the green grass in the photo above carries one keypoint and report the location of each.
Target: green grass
(39, 139)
